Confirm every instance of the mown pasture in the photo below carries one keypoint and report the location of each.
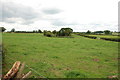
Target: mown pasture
(54, 57)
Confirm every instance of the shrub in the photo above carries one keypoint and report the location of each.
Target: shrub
(64, 32)
(48, 33)
(111, 39)
(92, 37)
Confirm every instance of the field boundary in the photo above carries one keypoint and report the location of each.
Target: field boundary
(107, 39)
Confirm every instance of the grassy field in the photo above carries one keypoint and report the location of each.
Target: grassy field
(62, 57)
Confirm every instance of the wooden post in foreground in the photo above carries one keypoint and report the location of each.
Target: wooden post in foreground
(12, 71)
(16, 72)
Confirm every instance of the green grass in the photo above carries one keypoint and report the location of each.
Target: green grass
(62, 57)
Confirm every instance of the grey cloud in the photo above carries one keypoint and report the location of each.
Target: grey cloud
(58, 23)
(8, 21)
(62, 23)
(12, 10)
(27, 22)
(51, 11)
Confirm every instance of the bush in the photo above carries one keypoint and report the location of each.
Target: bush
(64, 32)
(48, 33)
(92, 37)
(111, 39)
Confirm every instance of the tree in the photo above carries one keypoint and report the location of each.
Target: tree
(48, 33)
(107, 32)
(88, 32)
(54, 32)
(99, 32)
(44, 32)
(2, 29)
(65, 32)
(34, 31)
(39, 31)
(12, 30)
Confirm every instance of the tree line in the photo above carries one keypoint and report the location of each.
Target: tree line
(61, 32)
(14, 31)
(107, 32)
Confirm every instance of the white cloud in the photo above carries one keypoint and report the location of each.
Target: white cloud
(51, 11)
(17, 13)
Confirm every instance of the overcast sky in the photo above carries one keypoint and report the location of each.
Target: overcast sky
(80, 15)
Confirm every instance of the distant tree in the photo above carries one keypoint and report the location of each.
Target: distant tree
(98, 32)
(65, 32)
(12, 30)
(88, 32)
(107, 32)
(44, 32)
(34, 31)
(54, 32)
(2, 29)
(39, 31)
(48, 33)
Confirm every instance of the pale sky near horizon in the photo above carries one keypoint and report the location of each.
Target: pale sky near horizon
(80, 15)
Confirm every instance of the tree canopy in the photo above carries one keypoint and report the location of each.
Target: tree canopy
(2, 29)
(65, 32)
(12, 30)
(39, 31)
(88, 32)
(107, 32)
